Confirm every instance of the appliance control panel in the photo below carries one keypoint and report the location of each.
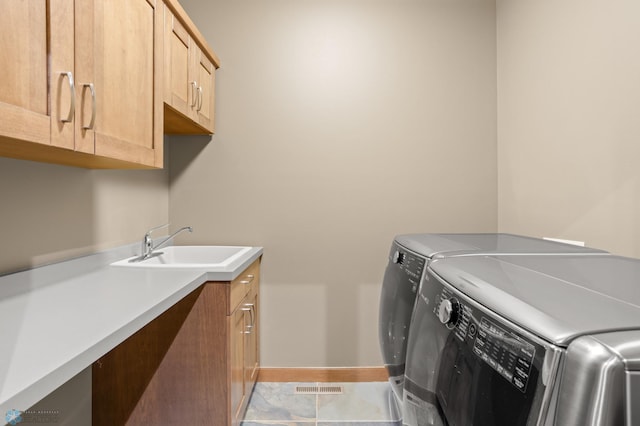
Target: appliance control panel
(503, 349)
(410, 264)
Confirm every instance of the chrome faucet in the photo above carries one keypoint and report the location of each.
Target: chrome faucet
(147, 242)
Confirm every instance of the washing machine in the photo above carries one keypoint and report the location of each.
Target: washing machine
(409, 256)
(525, 340)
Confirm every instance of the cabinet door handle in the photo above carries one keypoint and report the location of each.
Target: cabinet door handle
(72, 90)
(250, 307)
(248, 328)
(199, 98)
(93, 106)
(194, 88)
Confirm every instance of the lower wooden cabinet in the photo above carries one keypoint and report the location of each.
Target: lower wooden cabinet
(195, 364)
(244, 351)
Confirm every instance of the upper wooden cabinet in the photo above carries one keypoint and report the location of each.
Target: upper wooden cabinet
(84, 81)
(83, 85)
(189, 79)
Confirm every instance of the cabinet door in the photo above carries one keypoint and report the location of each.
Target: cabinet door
(178, 93)
(205, 77)
(23, 86)
(63, 89)
(237, 327)
(118, 50)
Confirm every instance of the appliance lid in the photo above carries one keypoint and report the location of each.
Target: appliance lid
(441, 245)
(555, 297)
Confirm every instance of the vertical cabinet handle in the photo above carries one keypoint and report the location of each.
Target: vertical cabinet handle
(249, 307)
(194, 89)
(72, 90)
(199, 98)
(253, 314)
(93, 106)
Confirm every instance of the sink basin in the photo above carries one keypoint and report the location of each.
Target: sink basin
(204, 257)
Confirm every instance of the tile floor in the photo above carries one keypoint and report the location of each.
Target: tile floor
(361, 404)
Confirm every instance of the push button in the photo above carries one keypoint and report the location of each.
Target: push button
(472, 330)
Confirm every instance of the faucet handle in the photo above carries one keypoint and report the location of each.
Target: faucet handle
(147, 242)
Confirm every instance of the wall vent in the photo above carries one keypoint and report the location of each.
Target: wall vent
(320, 390)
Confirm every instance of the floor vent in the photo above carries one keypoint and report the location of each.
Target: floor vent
(320, 390)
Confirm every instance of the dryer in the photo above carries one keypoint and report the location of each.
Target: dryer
(408, 258)
(525, 340)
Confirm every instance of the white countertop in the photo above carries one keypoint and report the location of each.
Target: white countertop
(56, 320)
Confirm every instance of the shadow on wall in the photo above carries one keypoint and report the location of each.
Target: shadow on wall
(190, 148)
(51, 212)
(47, 213)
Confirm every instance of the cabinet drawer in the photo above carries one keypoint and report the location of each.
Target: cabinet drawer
(241, 286)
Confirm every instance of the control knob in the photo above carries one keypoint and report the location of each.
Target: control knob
(398, 257)
(448, 312)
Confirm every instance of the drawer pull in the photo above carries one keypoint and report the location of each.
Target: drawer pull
(249, 279)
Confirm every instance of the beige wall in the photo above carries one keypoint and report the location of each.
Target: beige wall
(340, 123)
(568, 120)
(50, 212)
